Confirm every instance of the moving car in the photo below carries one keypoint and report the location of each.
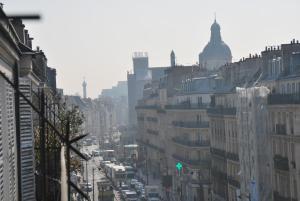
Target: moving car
(152, 193)
(131, 196)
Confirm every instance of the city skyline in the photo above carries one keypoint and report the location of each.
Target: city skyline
(107, 53)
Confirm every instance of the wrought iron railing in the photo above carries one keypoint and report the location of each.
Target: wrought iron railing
(281, 163)
(191, 124)
(196, 162)
(186, 106)
(221, 111)
(232, 156)
(218, 152)
(152, 132)
(203, 143)
(233, 181)
(282, 99)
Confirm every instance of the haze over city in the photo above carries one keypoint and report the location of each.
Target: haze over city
(157, 100)
(96, 39)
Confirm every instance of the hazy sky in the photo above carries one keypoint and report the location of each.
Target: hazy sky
(95, 39)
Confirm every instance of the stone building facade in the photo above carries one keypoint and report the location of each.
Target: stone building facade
(250, 141)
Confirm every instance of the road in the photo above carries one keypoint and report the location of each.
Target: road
(93, 163)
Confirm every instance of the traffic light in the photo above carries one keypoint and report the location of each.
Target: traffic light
(179, 167)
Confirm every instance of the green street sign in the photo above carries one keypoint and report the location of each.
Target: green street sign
(179, 166)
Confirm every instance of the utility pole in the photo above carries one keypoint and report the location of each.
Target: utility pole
(147, 175)
(86, 176)
(93, 184)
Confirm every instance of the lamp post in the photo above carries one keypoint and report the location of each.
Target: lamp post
(93, 184)
(86, 176)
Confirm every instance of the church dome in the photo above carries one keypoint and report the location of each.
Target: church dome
(216, 53)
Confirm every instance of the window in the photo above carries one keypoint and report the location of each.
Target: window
(293, 152)
(283, 88)
(291, 122)
(199, 100)
(293, 88)
(288, 88)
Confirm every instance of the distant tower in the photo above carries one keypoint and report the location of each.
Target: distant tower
(84, 88)
(172, 59)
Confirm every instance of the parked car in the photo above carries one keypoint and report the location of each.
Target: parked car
(123, 193)
(87, 155)
(86, 187)
(96, 152)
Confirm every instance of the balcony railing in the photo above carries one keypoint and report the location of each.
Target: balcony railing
(184, 142)
(283, 99)
(152, 119)
(218, 152)
(152, 132)
(186, 106)
(195, 162)
(232, 156)
(147, 107)
(151, 146)
(140, 118)
(280, 129)
(281, 163)
(278, 197)
(221, 111)
(218, 174)
(191, 124)
(233, 181)
(200, 182)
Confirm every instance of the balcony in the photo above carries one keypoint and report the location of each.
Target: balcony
(283, 99)
(140, 119)
(152, 132)
(199, 182)
(152, 146)
(233, 182)
(147, 107)
(152, 119)
(218, 152)
(190, 124)
(232, 156)
(186, 106)
(278, 197)
(280, 129)
(221, 111)
(192, 162)
(281, 163)
(218, 174)
(192, 144)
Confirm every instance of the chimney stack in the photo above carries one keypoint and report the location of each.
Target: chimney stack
(19, 27)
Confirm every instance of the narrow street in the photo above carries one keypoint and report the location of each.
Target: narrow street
(93, 163)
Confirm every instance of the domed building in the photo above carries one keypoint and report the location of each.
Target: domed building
(216, 53)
